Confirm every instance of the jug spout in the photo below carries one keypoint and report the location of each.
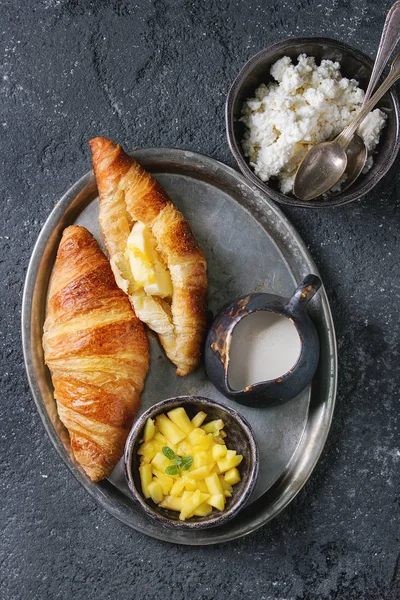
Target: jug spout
(303, 293)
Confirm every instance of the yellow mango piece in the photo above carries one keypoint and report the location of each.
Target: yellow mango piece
(215, 469)
(218, 439)
(218, 501)
(203, 510)
(146, 477)
(232, 476)
(212, 426)
(213, 484)
(199, 473)
(160, 438)
(201, 485)
(229, 461)
(172, 502)
(218, 451)
(149, 430)
(178, 487)
(170, 431)
(202, 458)
(190, 503)
(206, 442)
(223, 434)
(161, 462)
(180, 418)
(155, 491)
(190, 484)
(227, 494)
(199, 419)
(196, 436)
(166, 483)
(149, 449)
(184, 449)
(225, 485)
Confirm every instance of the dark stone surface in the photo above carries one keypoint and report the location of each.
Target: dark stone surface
(156, 74)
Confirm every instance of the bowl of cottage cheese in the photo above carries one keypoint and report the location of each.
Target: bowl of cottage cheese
(299, 93)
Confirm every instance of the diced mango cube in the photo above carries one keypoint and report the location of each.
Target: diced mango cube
(232, 476)
(223, 434)
(190, 484)
(225, 485)
(229, 461)
(172, 502)
(180, 418)
(170, 431)
(165, 481)
(149, 449)
(196, 436)
(146, 477)
(178, 487)
(213, 484)
(160, 438)
(199, 473)
(215, 469)
(227, 493)
(202, 458)
(201, 485)
(218, 439)
(218, 451)
(212, 426)
(199, 419)
(155, 490)
(218, 501)
(203, 510)
(184, 449)
(190, 503)
(149, 430)
(161, 462)
(206, 443)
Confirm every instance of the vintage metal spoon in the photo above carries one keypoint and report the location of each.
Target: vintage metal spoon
(356, 151)
(325, 164)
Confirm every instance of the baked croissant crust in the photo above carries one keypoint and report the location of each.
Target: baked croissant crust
(97, 351)
(130, 196)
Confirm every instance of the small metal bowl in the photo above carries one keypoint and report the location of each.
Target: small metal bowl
(354, 65)
(240, 437)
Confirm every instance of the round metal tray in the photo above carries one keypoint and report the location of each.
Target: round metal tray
(250, 246)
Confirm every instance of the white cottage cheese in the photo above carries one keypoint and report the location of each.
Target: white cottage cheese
(308, 105)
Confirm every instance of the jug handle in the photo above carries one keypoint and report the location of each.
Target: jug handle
(303, 293)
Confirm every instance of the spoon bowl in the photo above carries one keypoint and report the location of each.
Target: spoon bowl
(320, 170)
(325, 163)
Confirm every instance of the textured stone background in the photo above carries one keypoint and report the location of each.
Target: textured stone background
(156, 73)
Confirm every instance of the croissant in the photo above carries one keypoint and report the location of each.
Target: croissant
(97, 351)
(130, 196)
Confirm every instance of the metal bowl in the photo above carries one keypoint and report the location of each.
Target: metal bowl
(239, 437)
(354, 65)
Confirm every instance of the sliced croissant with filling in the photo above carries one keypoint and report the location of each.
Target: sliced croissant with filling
(97, 351)
(154, 255)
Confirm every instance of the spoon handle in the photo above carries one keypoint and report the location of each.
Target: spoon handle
(389, 40)
(344, 138)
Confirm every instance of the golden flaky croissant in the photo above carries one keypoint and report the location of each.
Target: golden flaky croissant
(154, 255)
(97, 351)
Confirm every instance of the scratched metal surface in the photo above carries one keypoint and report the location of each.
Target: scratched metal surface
(249, 246)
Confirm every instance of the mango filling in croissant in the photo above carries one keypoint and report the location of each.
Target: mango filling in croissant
(140, 272)
(147, 269)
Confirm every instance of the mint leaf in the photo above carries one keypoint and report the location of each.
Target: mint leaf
(172, 470)
(186, 463)
(169, 453)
